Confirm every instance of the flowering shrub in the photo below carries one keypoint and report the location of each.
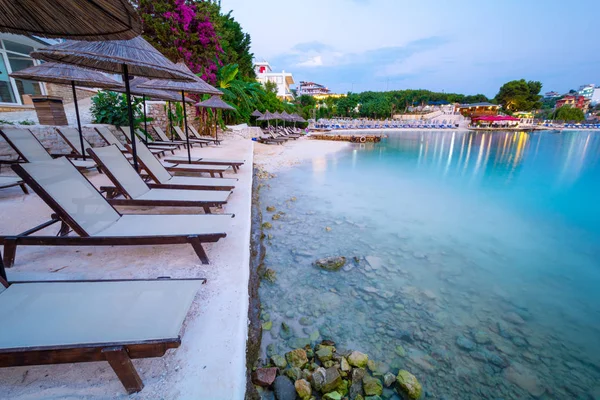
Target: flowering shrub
(183, 30)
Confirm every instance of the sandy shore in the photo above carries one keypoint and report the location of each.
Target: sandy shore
(272, 157)
(210, 364)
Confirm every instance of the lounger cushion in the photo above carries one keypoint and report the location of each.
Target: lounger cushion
(151, 162)
(66, 314)
(199, 167)
(73, 193)
(109, 137)
(200, 181)
(205, 160)
(185, 195)
(71, 135)
(116, 164)
(168, 225)
(10, 180)
(27, 144)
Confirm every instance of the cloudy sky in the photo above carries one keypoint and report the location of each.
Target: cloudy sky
(463, 46)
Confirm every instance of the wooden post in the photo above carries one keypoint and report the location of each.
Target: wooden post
(120, 362)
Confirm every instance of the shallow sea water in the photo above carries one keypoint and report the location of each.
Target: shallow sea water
(477, 253)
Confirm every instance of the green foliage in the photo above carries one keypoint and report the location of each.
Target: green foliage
(26, 122)
(236, 46)
(5, 122)
(520, 95)
(111, 108)
(568, 113)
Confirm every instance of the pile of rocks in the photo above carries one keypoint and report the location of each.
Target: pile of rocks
(324, 373)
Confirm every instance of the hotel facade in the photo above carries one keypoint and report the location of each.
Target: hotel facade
(283, 80)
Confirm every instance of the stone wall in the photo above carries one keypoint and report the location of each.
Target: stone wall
(66, 92)
(52, 141)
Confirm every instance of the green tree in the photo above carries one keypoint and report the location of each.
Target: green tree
(568, 113)
(243, 95)
(520, 95)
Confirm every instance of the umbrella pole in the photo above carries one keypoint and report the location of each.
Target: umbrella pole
(130, 113)
(187, 135)
(145, 123)
(170, 114)
(78, 119)
(216, 128)
(2, 270)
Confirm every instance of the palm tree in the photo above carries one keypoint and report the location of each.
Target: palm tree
(244, 96)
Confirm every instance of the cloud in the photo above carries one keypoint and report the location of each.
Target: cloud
(316, 61)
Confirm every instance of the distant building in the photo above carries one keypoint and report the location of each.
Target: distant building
(552, 95)
(312, 89)
(283, 79)
(596, 97)
(574, 100)
(477, 109)
(587, 91)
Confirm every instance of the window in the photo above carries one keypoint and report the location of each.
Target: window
(15, 57)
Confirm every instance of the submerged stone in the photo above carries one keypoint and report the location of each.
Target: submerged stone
(372, 386)
(264, 376)
(464, 343)
(266, 326)
(408, 385)
(331, 263)
(389, 379)
(356, 388)
(284, 389)
(332, 380)
(358, 359)
(278, 361)
(267, 225)
(400, 351)
(270, 275)
(325, 353)
(333, 396)
(270, 208)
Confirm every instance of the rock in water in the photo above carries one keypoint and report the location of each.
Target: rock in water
(325, 353)
(264, 376)
(465, 343)
(284, 389)
(389, 379)
(278, 361)
(525, 379)
(408, 385)
(372, 386)
(332, 380)
(303, 389)
(513, 318)
(333, 396)
(358, 359)
(481, 337)
(297, 358)
(318, 379)
(356, 389)
(331, 263)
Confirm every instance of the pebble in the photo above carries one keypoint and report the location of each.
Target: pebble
(464, 343)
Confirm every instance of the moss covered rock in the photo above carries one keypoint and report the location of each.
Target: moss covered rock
(303, 389)
(408, 385)
(372, 386)
(297, 358)
(358, 359)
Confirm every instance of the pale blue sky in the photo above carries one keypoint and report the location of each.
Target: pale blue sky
(463, 46)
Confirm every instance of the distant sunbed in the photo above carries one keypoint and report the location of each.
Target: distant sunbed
(165, 147)
(30, 150)
(57, 322)
(138, 193)
(182, 137)
(80, 207)
(199, 137)
(164, 138)
(164, 179)
(110, 138)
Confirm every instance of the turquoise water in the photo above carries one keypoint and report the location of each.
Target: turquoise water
(478, 253)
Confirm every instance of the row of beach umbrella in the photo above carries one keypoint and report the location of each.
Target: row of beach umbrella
(121, 51)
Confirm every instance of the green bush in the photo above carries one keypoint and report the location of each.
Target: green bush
(111, 108)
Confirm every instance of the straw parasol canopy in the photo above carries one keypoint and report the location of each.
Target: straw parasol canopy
(256, 113)
(136, 90)
(215, 102)
(267, 116)
(64, 74)
(82, 20)
(197, 86)
(285, 116)
(135, 56)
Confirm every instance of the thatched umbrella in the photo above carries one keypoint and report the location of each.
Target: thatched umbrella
(76, 19)
(256, 114)
(135, 56)
(196, 86)
(267, 116)
(64, 74)
(215, 103)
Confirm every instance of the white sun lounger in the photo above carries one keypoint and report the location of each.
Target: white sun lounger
(69, 322)
(10, 181)
(30, 150)
(163, 178)
(164, 138)
(82, 208)
(110, 138)
(137, 193)
(140, 135)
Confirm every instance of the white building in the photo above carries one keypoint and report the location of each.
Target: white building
(595, 97)
(587, 91)
(14, 56)
(283, 79)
